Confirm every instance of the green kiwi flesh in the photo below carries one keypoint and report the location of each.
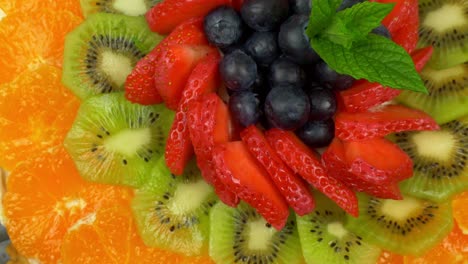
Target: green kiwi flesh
(125, 7)
(324, 238)
(440, 160)
(114, 141)
(408, 227)
(172, 212)
(241, 235)
(448, 93)
(444, 25)
(100, 53)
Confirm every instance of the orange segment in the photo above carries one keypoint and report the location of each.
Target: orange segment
(29, 39)
(387, 257)
(44, 200)
(36, 111)
(453, 249)
(10, 7)
(460, 211)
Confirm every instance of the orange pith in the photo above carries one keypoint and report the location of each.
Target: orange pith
(30, 39)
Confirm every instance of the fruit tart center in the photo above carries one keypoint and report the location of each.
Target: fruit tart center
(189, 197)
(130, 7)
(441, 146)
(135, 138)
(259, 234)
(445, 18)
(116, 66)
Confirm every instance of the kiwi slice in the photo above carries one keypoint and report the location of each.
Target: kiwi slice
(241, 235)
(173, 212)
(444, 25)
(324, 238)
(117, 142)
(409, 227)
(440, 160)
(126, 7)
(101, 52)
(448, 93)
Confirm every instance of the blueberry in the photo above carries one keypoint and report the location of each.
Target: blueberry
(283, 71)
(317, 134)
(294, 42)
(263, 47)
(245, 107)
(264, 15)
(238, 70)
(287, 107)
(349, 3)
(331, 79)
(322, 103)
(301, 6)
(382, 31)
(223, 26)
(260, 86)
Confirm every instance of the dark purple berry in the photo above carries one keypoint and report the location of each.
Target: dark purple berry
(287, 107)
(238, 70)
(223, 26)
(317, 134)
(264, 15)
(294, 42)
(382, 31)
(301, 6)
(349, 3)
(283, 71)
(322, 103)
(245, 108)
(331, 79)
(263, 47)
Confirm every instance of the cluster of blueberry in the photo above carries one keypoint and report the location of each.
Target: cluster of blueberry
(271, 72)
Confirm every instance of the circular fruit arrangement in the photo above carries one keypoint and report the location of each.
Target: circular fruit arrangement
(230, 131)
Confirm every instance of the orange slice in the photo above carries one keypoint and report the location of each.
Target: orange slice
(36, 112)
(29, 39)
(460, 211)
(10, 7)
(387, 257)
(453, 249)
(44, 200)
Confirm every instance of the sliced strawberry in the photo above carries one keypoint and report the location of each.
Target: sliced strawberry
(173, 69)
(400, 13)
(237, 4)
(166, 15)
(303, 161)
(139, 86)
(293, 189)
(407, 35)
(381, 122)
(239, 170)
(334, 160)
(209, 123)
(364, 95)
(204, 79)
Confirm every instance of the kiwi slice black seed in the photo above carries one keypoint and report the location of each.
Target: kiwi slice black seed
(241, 235)
(126, 7)
(101, 52)
(408, 227)
(440, 160)
(448, 93)
(444, 25)
(117, 142)
(324, 238)
(172, 212)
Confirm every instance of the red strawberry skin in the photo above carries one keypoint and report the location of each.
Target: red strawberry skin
(303, 161)
(202, 122)
(204, 79)
(381, 122)
(293, 189)
(334, 160)
(364, 95)
(239, 170)
(166, 15)
(139, 86)
(173, 69)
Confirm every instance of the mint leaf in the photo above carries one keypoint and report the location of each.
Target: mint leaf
(376, 59)
(338, 33)
(321, 15)
(362, 18)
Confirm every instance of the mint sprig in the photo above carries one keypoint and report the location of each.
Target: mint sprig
(343, 40)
